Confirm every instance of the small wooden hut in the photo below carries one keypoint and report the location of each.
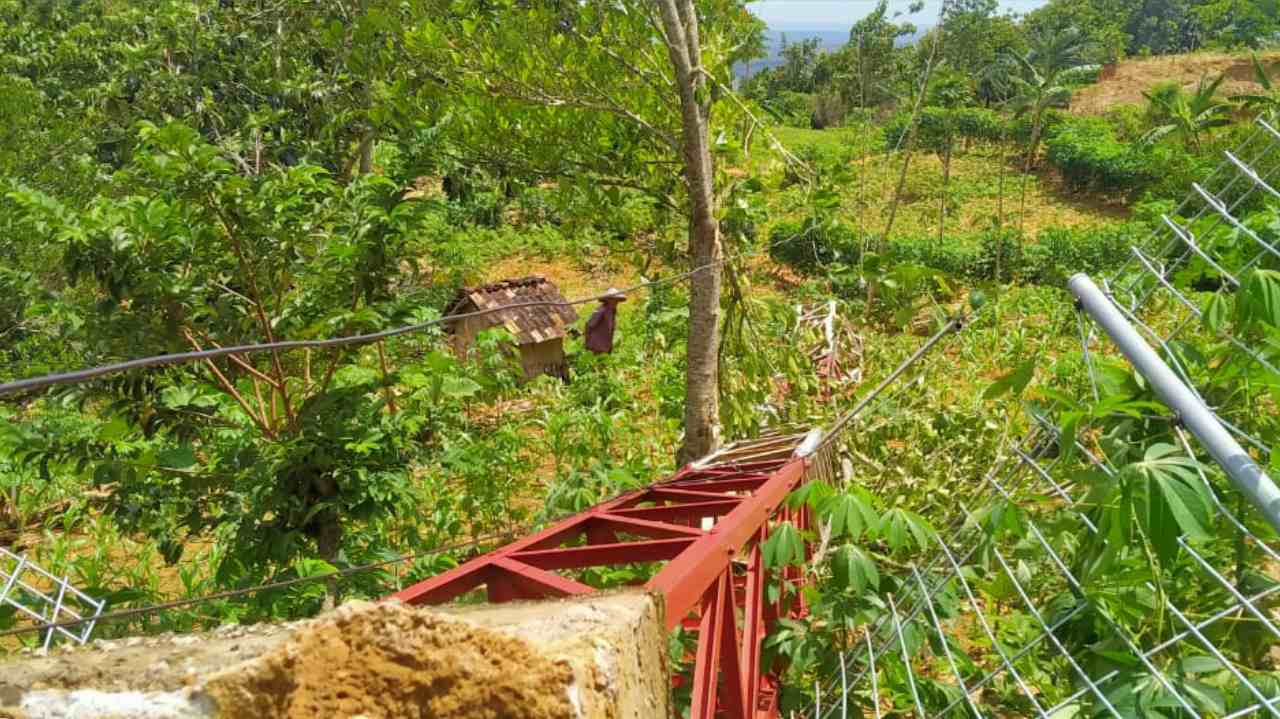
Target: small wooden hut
(538, 331)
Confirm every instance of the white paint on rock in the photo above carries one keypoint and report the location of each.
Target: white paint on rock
(94, 704)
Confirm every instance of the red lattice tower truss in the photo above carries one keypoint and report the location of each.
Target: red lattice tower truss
(708, 523)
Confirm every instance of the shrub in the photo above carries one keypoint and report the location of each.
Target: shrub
(829, 110)
(1059, 253)
(1090, 157)
(791, 108)
(979, 123)
(934, 131)
(1129, 121)
(956, 257)
(1019, 129)
(1050, 260)
(809, 245)
(940, 125)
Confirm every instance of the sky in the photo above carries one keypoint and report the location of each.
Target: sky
(841, 14)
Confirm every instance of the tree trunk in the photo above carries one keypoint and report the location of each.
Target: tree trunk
(1000, 185)
(946, 182)
(366, 153)
(1026, 170)
(1004, 160)
(702, 385)
(911, 137)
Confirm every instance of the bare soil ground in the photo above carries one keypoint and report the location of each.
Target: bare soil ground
(1133, 77)
(572, 278)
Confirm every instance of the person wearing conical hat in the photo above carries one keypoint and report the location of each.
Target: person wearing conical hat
(601, 323)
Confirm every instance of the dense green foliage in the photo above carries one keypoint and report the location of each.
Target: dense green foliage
(1090, 157)
(182, 175)
(178, 175)
(1049, 259)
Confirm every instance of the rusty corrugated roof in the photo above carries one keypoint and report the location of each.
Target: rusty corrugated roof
(527, 324)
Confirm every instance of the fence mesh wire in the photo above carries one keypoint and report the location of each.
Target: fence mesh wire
(29, 593)
(1040, 596)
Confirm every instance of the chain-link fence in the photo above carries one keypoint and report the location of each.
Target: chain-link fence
(1110, 564)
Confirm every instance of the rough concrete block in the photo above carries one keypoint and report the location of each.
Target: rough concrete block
(597, 657)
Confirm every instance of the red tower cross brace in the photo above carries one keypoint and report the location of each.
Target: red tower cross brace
(709, 523)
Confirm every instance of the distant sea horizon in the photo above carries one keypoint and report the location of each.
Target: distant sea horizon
(836, 15)
(830, 39)
(831, 20)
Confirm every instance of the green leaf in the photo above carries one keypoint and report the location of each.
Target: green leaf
(1215, 313)
(313, 567)
(459, 387)
(1176, 498)
(784, 546)
(900, 528)
(1198, 664)
(853, 569)
(849, 513)
(1190, 506)
(105, 474)
(1067, 426)
(1012, 383)
(1261, 297)
(114, 430)
(176, 397)
(814, 494)
(177, 457)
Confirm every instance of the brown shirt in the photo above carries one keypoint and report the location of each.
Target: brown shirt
(600, 326)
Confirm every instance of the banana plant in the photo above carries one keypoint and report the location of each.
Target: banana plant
(1266, 102)
(1189, 116)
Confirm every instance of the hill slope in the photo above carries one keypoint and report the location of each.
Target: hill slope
(1134, 76)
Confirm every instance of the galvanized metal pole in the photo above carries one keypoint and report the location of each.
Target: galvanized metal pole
(1248, 477)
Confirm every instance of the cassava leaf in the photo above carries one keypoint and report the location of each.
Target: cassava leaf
(1012, 383)
(852, 569)
(784, 547)
(850, 514)
(459, 387)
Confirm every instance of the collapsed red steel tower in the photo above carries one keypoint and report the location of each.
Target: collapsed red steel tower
(708, 523)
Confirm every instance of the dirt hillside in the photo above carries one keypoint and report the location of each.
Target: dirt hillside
(1134, 76)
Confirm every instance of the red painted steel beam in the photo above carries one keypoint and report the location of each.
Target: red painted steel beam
(728, 484)
(602, 555)
(709, 577)
(672, 494)
(706, 665)
(686, 578)
(538, 582)
(753, 620)
(644, 527)
(468, 576)
(669, 513)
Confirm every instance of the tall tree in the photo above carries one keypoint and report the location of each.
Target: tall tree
(1033, 87)
(872, 61)
(200, 254)
(977, 35)
(581, 93)
(292, 82)
(702, 387)
(1033, 78)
